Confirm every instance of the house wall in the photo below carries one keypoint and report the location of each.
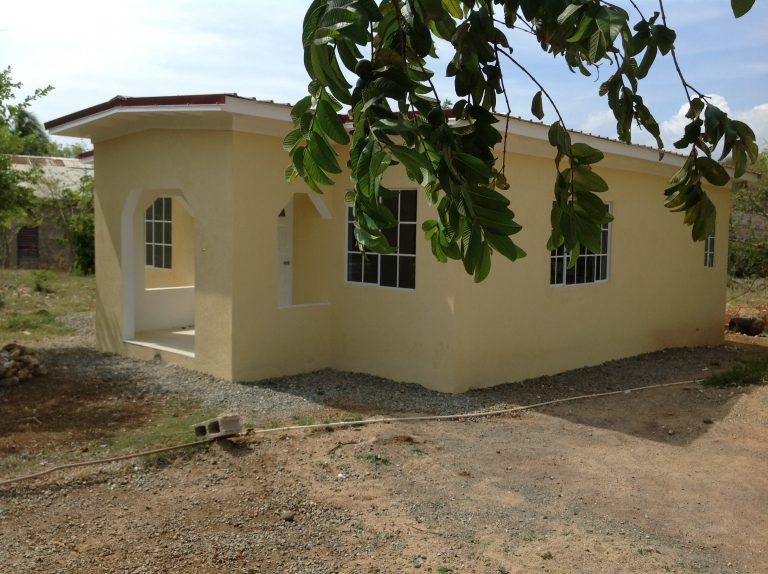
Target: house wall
(658, 294)
(182, 271)
(449, 333)
(268, 340)
(133, 170)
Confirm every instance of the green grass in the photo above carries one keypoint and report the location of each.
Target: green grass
(303, 421)
(373, 458)
(748, 373)
(171, 426)
(347, 418)
(31, 302)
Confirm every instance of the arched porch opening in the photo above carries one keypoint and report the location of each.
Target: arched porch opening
(158, 265)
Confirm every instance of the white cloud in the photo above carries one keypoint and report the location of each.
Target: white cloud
(756, 118)
(600, 123)
(603, 123)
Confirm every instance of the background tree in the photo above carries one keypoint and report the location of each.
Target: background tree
(17, 200)
(398, 119)
(73, 209)
(748, 243)
(33, 138)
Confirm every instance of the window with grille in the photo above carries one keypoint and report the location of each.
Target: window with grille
(709, 251)
(158, 233)
(590, 267)
(392, 270)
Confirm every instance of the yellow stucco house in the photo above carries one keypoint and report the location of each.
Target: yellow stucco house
(207, 258)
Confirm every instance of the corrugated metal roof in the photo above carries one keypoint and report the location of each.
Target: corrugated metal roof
(57, 173)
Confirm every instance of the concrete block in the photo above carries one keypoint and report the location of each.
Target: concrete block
(223, 425)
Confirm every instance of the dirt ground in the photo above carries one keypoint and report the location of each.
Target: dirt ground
(666, 480)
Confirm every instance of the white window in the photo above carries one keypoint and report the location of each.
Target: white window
(590, 267)
(158, 234)
(393, 270)
(709, 251)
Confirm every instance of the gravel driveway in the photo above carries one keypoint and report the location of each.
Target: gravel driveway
(665, 480)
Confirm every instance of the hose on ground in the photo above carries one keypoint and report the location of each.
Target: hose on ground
(388, 420)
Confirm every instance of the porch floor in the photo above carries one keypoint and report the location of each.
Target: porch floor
(179, 341)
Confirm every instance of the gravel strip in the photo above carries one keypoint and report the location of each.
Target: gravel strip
(278, 398)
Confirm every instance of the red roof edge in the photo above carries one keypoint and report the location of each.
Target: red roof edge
(127, 102)
(85, 155)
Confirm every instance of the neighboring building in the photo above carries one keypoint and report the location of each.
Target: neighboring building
(41, 244)
(206, 257)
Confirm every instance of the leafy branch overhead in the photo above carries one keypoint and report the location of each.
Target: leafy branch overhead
(393, 115)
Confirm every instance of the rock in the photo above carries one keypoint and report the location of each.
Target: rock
(18, 363)
(287, 516)
(752, 326)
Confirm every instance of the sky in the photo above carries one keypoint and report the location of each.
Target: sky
(91, 51)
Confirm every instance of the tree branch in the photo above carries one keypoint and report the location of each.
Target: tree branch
(686, 86)
(535, 81)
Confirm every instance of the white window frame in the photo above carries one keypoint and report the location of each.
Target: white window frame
(561, 257)
(350, 249)
(151, 219)
(709, 251)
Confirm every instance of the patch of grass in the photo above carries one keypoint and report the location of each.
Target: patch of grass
(748, 373)
(41, 281)
(644, 551)
(444, 570)
(173, 425)
(347, 418)
(373, 458)
(418, 452)
(168, 424)
(37, 320)
(31, 314)
(303, 420)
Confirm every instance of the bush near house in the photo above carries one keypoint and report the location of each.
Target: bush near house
(748, 249)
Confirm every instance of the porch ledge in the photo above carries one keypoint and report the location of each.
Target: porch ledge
(180, 342)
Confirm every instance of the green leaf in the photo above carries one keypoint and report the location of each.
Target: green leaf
(300, 107)
(610, 21)
(695, 109)
(505, 246)
(475, 165)
(312, 170)
(586, 20)
(483, 264)
(713, 171)
(569, 11)
(291, 173)
(586, 154)
(291, 139)
(645, 64)
(584, 176)
(594, 46)
(323, 154)
(741, 7)
(537, 108)
(454, 8)
(331, 123)
(664, 38)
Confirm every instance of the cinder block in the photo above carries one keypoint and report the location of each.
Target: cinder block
(223, 425)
